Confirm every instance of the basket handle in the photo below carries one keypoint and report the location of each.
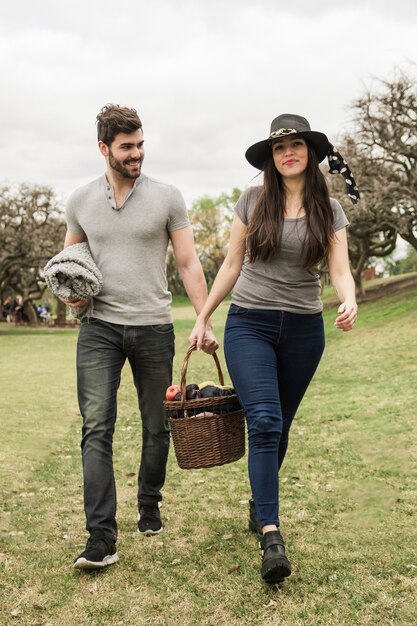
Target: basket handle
(185, 366)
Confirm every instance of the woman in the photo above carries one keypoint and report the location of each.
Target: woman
(274, 339)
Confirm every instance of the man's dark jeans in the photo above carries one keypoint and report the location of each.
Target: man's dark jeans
(101, 353)
(271, 357)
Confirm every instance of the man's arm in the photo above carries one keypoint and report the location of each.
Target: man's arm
(224, 282)
(70, 240)
(192, 276)
(73, 238)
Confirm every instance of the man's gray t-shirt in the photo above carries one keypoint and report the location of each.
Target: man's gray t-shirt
(129, 246)
(282, 283)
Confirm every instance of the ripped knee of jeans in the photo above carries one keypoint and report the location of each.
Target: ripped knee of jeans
(262, 435)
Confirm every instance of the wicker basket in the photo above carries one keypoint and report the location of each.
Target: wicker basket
(206, 431)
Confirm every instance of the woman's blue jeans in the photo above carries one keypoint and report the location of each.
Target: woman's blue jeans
(271, 357)
(102, 350)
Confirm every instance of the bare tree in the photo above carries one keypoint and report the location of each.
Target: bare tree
(382, 153)
(32, 230)
(386, 132)
(372, 231)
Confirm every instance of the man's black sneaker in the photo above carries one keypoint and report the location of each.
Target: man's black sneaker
(254, 525)
(99, 552)
(275, 565)
(149, 520)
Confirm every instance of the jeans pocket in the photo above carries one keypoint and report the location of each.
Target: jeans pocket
(163, 329)
(237, 310)
(89, 320)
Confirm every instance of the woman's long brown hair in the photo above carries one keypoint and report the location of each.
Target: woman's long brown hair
(267, 221)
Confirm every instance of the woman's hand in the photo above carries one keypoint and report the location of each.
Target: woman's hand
(203, 337)
(346, 319)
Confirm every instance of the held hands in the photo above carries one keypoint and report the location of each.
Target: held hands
(203, 337)
(346, 319)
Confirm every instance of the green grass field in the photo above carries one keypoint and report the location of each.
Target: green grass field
(348, 496)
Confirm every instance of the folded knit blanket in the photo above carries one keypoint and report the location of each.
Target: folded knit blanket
(73, 275)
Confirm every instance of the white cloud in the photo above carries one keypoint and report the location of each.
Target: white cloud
(206, 77)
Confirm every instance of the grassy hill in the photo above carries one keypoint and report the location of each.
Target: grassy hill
(377, 288)
(348, 493)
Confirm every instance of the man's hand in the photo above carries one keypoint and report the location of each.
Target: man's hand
(203, 338)
(74, 303)
(210, 343)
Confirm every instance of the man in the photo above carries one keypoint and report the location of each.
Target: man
(128, 220)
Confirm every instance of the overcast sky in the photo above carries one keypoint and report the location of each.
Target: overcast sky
(206, 76)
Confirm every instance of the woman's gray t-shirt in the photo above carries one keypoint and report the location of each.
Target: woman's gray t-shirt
(282, 283)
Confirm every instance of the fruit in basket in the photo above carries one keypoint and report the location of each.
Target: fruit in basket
(207, 383)
(210, 383)
(193, 394)
(210, 391)
(172, 391)
(213, 391)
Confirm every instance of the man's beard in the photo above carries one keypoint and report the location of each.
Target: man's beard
(119, 166)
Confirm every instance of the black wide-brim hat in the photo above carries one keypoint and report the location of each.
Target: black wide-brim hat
(282, 126)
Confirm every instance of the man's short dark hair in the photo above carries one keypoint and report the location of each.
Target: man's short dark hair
(114, 119)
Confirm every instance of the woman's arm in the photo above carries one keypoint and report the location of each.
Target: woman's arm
(342, 281)
(224, 281)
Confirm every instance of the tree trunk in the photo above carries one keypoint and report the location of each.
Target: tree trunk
(30, 313)
(357, 277)
(357, 270)
(61, 313)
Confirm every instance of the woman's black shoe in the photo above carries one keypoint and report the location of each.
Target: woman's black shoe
(275, 565)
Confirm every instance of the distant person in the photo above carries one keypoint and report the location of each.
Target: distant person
(7, 309)
(282, 230)
(128, 220)
(41, 313)
(18, 310)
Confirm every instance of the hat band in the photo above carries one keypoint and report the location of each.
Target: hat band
(282, 131)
